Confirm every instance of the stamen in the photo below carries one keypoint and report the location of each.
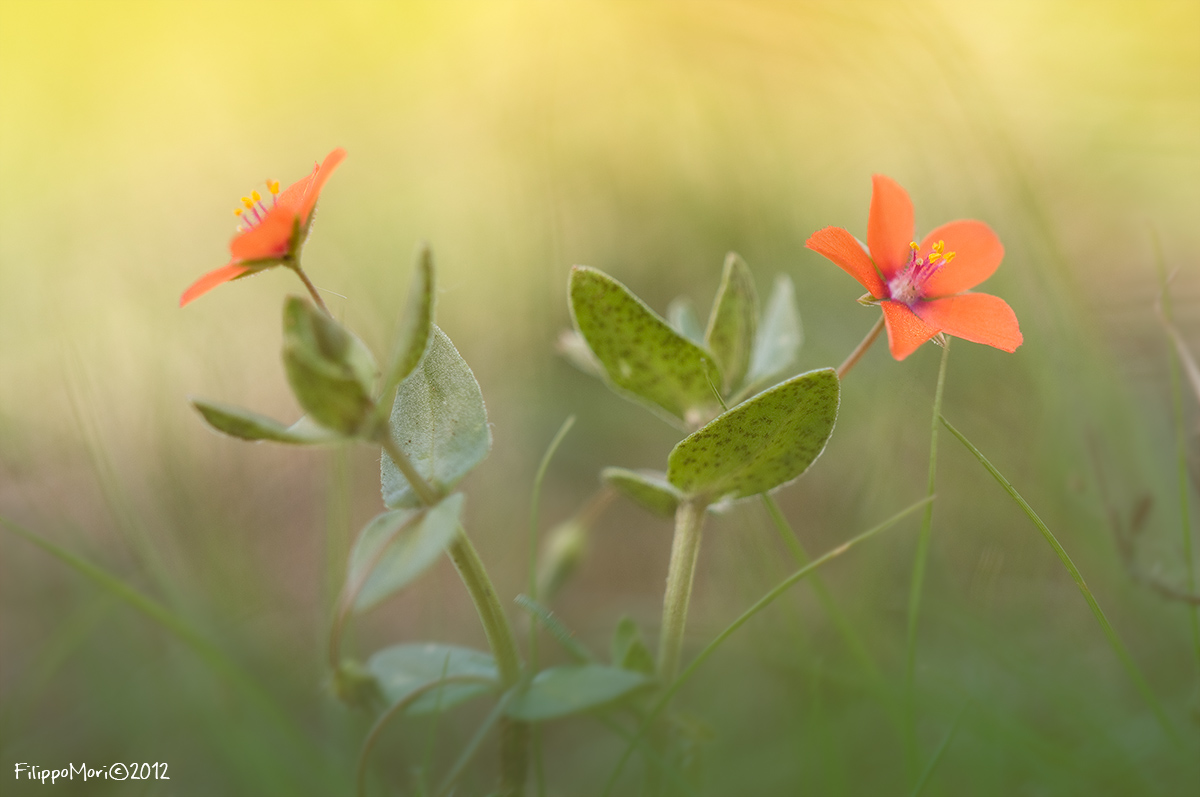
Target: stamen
(246, 201)
(273, 186)
(238, 212)
(255, 196)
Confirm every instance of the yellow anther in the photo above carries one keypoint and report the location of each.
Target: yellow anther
(246, 201)
(255, 196)
(934, 256)
(273, 186)
(238, 212)
(913, 245)
(939, 247)
(948, 258)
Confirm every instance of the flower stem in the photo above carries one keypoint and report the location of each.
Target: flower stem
(423, 489)
(922, 554)
(312, 289)
(685, 548)
(860, 349)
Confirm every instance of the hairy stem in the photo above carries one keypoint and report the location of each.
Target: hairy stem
(312, 289)
(860, 349)
(685, 548)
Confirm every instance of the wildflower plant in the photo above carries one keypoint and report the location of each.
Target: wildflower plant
(747, 432)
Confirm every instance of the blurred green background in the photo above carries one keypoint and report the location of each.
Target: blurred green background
(645, 139)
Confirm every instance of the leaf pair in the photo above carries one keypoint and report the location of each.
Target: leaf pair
(552, 694)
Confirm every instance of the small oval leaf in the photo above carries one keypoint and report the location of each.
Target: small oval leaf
(332, 373)
(642, 355)
(439, 421)
(397, 546)
(247, 425)
(780, 334)
(574, 689)
(647, 488)
(402, 669)
(733, 321)
(760, 444)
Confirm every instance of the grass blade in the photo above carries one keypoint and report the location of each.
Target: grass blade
(1115, 641)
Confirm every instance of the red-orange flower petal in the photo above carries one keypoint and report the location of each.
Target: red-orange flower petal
(977, 317)
(842, 248)
(889, 225)
(211, 280)
(905, 331)
(318, 182)
(978, 252)
(271, 238)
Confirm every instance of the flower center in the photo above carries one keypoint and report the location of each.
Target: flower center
(253, 211)
(909, 283)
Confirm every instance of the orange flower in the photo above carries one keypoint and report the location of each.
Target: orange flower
(269, 236)
(923, 288)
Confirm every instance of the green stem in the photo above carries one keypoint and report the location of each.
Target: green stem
(1185, 522)
(312, 289)
(685, 548)
(860, 349)
(423, 489)
(922, 554)
(677, 683)
(1110, 633)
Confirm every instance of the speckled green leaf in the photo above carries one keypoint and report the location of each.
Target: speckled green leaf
(574, 689)
(439, 421)
(628, 650)
(760, 444)
(732, 322)
(780, 334)
(398, 546)
(646, 488)
(681, 314)
(247, 425)
(402, 669)
(641, 354)
(332, 373)
(412, 337)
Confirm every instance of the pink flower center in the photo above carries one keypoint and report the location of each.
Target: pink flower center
(909, 283)
(253, 211)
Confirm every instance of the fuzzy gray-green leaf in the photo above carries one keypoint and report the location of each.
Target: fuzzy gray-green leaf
(397, 546)
(641, 354)
(439, 421)
(574, 689)
(760, 444)
(780, 334)
(416, 327)
(648, 489)
(247, 425)
(402, 669)
(681, 314)
(332, 373)
(732, 322)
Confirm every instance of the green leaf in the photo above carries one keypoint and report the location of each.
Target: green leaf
(733, 321)
(642, 355)
(247, 425)
(402, 669)
(761, 443)
(574, 350)
(780, 334)
(332, 373)
(439, 420)
(416, 327)
(554, 626)
(681, 314)
(649, 489)
(628, 650)
(574, 689)
(397, 546)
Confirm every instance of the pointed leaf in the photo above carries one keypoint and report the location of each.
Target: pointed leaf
(574, 350)
(628, 650)
(760, 444)
(732, 323)
(554, 626)
(780, 334)
(416, 327)
(681, 314)
(648, 489)
(402, 669)
(439, 420)
(574, 689)
(642, 355)
(247, 425)
(397, 546)
(332, 373)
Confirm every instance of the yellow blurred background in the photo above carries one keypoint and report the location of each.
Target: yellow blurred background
(645, 139)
